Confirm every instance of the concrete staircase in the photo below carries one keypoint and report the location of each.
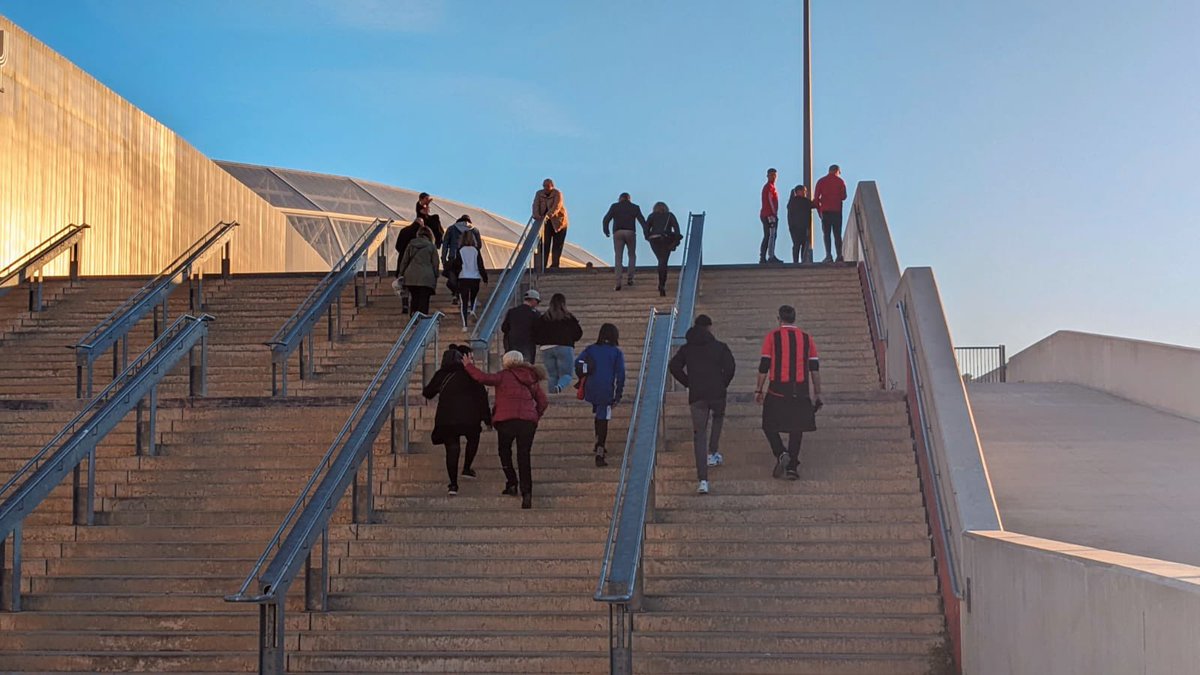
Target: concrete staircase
(832, 574)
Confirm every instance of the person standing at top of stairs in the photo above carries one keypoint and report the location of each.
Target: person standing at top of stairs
(799, 215)
(769, 215)
(789, 357)
(520, 404)
(705, 366)
(548, 207)
(829, 194)
(432, 220)
(624, 216)
(601, 371)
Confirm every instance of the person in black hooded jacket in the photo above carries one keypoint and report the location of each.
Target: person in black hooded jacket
(462, 406)
(705, 366)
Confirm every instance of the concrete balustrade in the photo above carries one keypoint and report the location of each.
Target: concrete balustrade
(1039, 606)
(1159, 375)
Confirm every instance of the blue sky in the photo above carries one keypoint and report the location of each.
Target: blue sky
(1039, 155)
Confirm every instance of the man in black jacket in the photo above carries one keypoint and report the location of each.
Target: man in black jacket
(705, 366)
(518, 326)
(624, 216)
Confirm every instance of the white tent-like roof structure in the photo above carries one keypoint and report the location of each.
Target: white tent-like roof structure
(331, 212)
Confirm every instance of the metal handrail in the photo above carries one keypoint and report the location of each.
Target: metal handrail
(35, 260)
(292, 544)
(78, 439)
(43, 254)
(116, 326)
(621, 579)
(502, 295)
(321, 301)
(947, 533)
(689, 277)
(867, 258)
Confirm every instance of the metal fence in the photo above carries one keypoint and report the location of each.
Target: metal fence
(982, 364)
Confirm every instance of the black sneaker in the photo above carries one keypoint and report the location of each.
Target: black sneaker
(452, 489)
(792, 474)
(600, 461)
(527, 501)
(780, 466)
(469, 473)
(510, 490)
(662, 291)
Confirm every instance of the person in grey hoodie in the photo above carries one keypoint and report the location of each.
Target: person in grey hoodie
(450, 244)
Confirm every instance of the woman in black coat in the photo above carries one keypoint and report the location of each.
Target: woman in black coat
(662, 231)
(462, 406)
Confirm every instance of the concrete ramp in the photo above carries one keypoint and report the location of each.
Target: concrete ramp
(1082, 466)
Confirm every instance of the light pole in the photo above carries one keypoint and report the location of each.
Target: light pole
(808, 135)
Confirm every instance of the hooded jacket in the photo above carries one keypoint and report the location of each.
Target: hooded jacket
(419, 264)
(704, 365)
(519, 392)
(564, 332)
(462, 401)
(453, 239)
(603, 366)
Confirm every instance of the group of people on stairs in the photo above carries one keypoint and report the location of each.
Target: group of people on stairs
(788, 383)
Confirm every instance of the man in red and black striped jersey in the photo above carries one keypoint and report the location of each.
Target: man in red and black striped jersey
(791, 362)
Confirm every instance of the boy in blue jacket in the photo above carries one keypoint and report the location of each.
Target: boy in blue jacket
(601, 371)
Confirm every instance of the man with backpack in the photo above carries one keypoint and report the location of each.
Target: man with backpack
(791, 363)
(705, 366)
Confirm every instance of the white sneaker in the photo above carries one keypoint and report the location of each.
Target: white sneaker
(703, 489)
(715, 459)
(396, 285)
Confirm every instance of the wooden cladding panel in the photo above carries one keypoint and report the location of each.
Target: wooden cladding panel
(72, 150)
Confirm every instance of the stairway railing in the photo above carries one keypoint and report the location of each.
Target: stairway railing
(152, 297)
(325, 300)
(505, 293)
(30, 266)
(621, 578)
(135, 388)
(689, 277)
(292, 545)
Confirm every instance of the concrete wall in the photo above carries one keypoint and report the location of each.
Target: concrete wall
(73, 151)
(1166, 377)
(1041, 607)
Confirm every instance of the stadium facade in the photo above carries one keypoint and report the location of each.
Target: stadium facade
(76, 152)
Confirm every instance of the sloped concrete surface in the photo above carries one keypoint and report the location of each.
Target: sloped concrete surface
(1078, 465)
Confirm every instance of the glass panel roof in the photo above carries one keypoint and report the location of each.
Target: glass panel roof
(318, 233)
(269, 186)
(336, 194)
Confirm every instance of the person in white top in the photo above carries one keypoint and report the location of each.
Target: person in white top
(469, 270)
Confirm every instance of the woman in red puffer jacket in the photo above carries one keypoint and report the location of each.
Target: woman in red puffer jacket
(520, 403)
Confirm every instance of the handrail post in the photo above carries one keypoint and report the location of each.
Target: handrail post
(226, 262)
(74, 264)
(35, 292)
(10, 579)
(271, 651)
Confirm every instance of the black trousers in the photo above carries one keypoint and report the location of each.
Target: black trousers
(552, 245)
(521, 432)
(452, 451)
(770, 231)
(468, 290)
(793, 447)
(831, 223)
(662, 251)
(800, 240)
(420, 299)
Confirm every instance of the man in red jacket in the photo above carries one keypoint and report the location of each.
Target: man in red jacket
(769, 215)
(829, 195)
